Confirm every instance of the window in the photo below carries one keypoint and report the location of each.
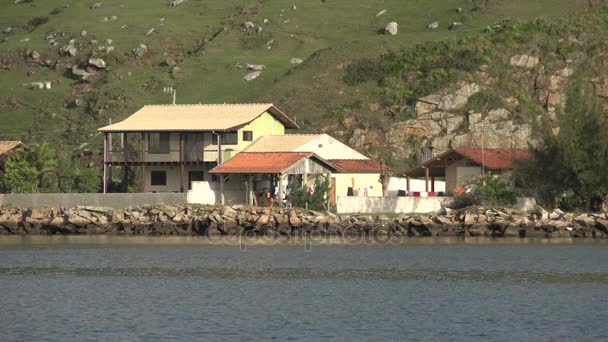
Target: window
(247, 135)
(158, 178)
(159, 143)
(228, 138)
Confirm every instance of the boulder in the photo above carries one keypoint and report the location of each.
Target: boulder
(433, 26)
(391, 29)
(381, 13)
(227, 211)
(175, 3)
(248, 25)
(295, 61)
(98, 63)
(7, 30)
(69, 50)
(150, 31)
(35, 55)
(524, 61)
(252, 76)
(96, 5)
(585, 220)
(81, 74)
(295, 221)
(140, 51)
(469, 219)
(455, 26)
(256, 67)
(262, 221)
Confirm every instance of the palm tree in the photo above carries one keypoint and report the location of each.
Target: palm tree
(41, 157)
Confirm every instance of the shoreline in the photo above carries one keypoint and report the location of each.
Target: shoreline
(251, 222)
(281, 241)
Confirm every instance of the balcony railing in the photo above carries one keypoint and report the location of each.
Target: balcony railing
(119, 156)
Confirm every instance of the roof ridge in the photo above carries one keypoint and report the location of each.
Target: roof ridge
(208, 104)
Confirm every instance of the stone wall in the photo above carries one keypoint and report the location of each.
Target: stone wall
(117, 201)
(253, 221)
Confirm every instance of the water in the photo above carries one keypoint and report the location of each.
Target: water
(100, 288)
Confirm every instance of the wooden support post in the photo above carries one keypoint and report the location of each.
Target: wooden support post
(433, 183)
(247, 190)
(144, 145)
(426, 179)
(181, 162)
(408, 184)
(105, 162)
(280, 197)
(222, 198)
(123, 183)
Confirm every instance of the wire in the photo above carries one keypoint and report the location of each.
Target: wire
(45, 132)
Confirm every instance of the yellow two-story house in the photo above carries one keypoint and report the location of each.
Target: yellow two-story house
(174, 145)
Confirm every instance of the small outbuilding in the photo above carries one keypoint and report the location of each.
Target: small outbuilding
(459, 165)
(271, 171)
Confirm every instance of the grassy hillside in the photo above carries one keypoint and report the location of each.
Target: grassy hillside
(206, 41)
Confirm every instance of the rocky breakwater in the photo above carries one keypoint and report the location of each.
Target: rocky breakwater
(237, 220)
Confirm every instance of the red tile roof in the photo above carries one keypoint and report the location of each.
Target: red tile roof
(260, 162)
(7, 146)
(497, 159)
(491, 158)
(357, 165)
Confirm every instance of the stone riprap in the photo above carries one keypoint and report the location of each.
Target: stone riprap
(235, 220)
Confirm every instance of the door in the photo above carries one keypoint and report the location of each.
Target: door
(195, 176)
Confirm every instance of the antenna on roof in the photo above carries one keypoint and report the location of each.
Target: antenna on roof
(172, 91)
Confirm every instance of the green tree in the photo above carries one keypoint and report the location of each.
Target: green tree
(18, 177)
(572, 158)
(87, 180)
(318, 200)
(40, 157)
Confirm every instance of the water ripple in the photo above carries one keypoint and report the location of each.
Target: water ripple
(309, 273)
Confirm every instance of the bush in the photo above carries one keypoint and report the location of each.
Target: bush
(464, 200)
(37, 21)
(485, 190)
(485, 100)
(87, 180)
(318, 200)
(363, 70)
(494, 191)
(18, 177)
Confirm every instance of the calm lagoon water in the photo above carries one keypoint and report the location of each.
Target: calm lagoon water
(184, 289)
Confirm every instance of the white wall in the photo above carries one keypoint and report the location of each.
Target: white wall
(209, 193)
(352, 205)
(328, 147)
(371, 205)
(360, 181)
(173, 177)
